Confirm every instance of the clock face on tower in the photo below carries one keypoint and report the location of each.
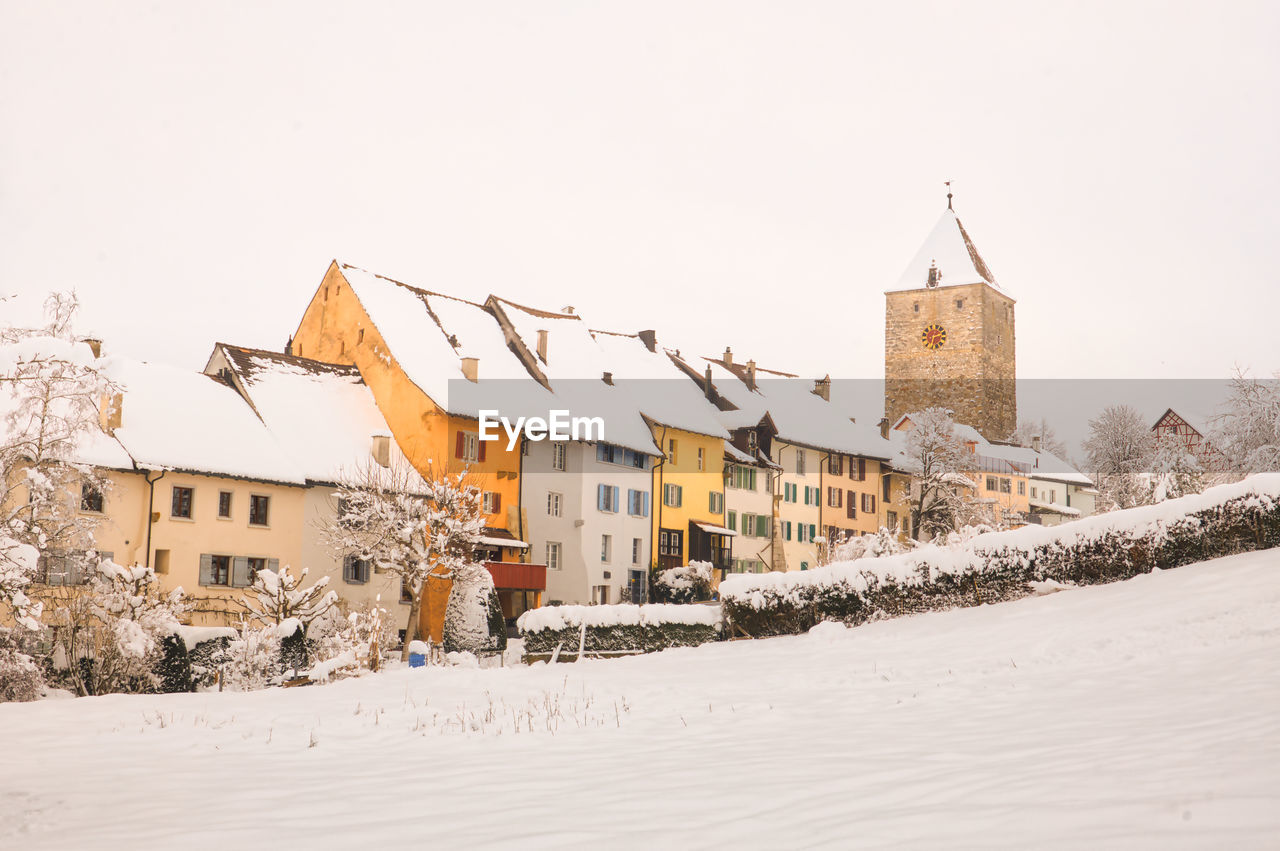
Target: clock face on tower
(933, 337)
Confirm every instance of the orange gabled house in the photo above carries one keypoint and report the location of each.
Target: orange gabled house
(432, 362)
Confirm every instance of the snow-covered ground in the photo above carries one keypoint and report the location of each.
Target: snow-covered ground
(1141, 713)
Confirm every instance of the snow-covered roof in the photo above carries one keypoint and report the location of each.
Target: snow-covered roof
(1038, 465)
(574, 368)
(323, 415)
(661, 390)
(949, 249)
(800, 415)
(430, 333)
(177, 419)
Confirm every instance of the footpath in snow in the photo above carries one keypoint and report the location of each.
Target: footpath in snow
(1142, 713)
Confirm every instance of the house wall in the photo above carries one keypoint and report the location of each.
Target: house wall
(740, 501)
(320, 509)
(864, 522)
(330, 331)
(797, 555)
(697, 484)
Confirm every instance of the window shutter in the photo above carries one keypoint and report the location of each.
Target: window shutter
(786, 530)
(273, 565)
(873, 504)
(480, 451)
(348, 563)
(862, 469)
(812, 532)
(75, 571)
(731, 520)
(206, 569)
(458, 446)
(497, 500)
(679, 496)
(853, 505)
(762, 526)
(615, 497)
(600, 497)
(646, 503)
(239, 572)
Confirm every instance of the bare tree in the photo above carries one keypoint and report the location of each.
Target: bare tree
(936, 460)
(410, 526)
(1248, 430)
(274, 597)
(1028, 430)
(50, 388)
(1119, 449)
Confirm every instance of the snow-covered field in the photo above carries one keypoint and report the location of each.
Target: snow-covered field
(1142, 713)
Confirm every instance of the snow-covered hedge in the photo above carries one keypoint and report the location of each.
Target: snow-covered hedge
(688, 584)
(998, 566)
(617, 630)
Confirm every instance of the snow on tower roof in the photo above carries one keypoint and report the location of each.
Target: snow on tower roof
(949, 249)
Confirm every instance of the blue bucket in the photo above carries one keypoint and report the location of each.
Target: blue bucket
(417, 660)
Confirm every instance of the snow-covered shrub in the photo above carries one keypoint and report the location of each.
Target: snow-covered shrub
(208, 651)
(1000, 566)
(173, 669)
(688, 584)
(617, 630)
(881, 544)
(277, 596)
(254, 658)
(20, 677)
(109, 631)
(473, 620)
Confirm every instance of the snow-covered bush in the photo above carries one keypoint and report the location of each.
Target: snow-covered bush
(617, 630)
(109, 632)
(999, 566)
(688, 584)
(344, 644)
(473, 621)
(276, 596)
(881, 544)
(20, 677)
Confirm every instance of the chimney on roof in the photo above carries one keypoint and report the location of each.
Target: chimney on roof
(884, 427)
(707, 387)
(751, 374)
(1036, 443)
(381, 449)
(568, 308)
(471, 369)
(111, 412)
(728, 356)
(822, 388)
(95, 345)
(542, 344)
(608, 378)
(650, 340)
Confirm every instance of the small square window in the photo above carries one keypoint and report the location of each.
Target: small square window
(258, 510)
(182, 498)
(90, 498)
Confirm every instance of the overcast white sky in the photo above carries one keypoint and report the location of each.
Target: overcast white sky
(753, 174)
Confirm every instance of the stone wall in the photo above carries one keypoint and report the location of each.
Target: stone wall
(972, 373)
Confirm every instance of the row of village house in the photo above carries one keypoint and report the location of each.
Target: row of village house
(217, 474)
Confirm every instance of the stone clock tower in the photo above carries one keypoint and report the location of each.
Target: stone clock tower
(949, 336)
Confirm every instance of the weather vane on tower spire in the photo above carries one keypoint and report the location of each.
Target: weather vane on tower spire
(949, 195)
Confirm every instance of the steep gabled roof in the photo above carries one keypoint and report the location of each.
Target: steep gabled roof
(429, 334)
(323, 415)
(949, 249)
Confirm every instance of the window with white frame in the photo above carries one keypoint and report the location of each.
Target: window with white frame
(607, 498)
(672, 495)
(637, 550)
(715, 503)
(553, 555)
(637, 503)
(559, 456)
(554, 503)
(606, 548)
(468, 448)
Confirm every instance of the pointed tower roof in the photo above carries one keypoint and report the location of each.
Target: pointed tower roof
(947, 258)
